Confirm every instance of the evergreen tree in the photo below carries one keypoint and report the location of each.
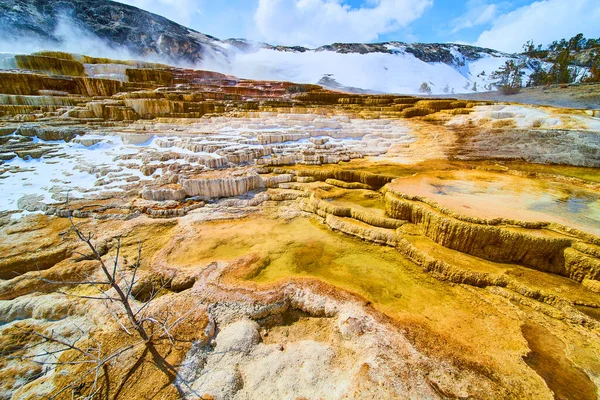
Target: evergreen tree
(509, 77)
(592, 43)
(528, 47)
(594, 75)
(562, 54)
(539, 76)
(560, 71)
(577, 42)
(425, 88)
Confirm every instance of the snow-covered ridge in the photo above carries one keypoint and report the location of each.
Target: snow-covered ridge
(390, 67)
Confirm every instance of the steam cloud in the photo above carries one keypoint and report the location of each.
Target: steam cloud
(71, 38)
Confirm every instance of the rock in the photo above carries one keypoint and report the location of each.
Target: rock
(274, 181)
(164, 193)
(49, 133)
(87, 142)
(136, 138)
(324, 209)
(51, 65)
(32, 203)
(363, 231)
(43, 307)
(7, 156)
(13, 266)
(152, 108)
(375, 181)
(481, 240)
(350, 327)
(305, 179)
(210, 186)
(33, 153)
(238, 337)
(580, 266)
(7, 130)
(593, 285)
(347, 185)
(148, 170)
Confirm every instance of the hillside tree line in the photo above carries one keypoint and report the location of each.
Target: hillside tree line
(566, 58)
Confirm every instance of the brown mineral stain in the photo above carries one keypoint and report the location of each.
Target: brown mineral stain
(547, 357)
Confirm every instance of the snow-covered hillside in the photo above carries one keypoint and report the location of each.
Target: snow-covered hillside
(389, 68)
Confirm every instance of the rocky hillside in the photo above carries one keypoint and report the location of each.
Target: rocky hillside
(395, 67)
(447, 53)
(119, 25)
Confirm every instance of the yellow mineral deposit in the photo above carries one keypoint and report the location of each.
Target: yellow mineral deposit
(298, 242)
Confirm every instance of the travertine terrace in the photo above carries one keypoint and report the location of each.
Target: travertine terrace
(309, 243)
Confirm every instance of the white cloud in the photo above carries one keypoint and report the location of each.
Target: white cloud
(542, 22)
(180, 11)
(318, 22)
(478, 13)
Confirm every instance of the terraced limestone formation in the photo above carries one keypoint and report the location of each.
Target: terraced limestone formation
(299, 242)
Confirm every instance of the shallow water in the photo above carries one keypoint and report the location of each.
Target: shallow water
(304, 247)
(580, 207)
(491, 195)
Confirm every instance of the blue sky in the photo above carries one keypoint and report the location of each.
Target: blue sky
(442, 21)
(500, 24)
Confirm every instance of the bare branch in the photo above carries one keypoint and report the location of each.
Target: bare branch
(137, 265)
(152, 297)
(80, 296)
(117, 256)
(148, 328)
(74, 282)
